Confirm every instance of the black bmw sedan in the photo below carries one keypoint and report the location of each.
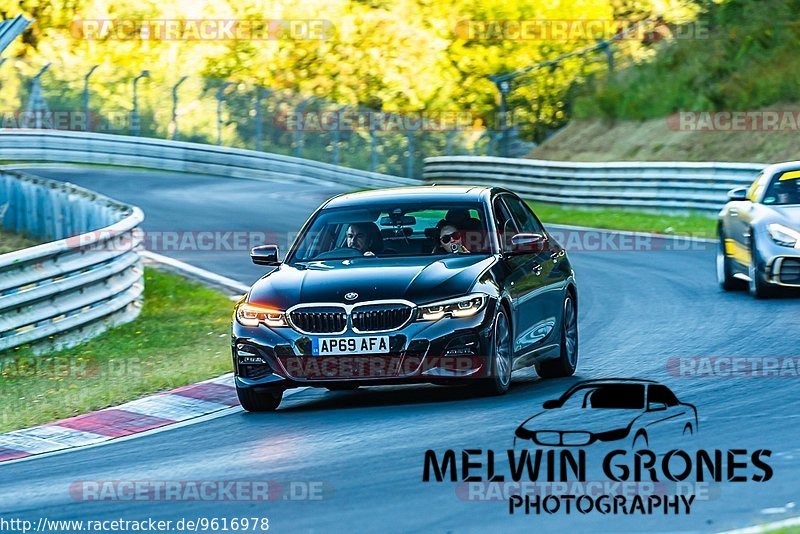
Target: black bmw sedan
(438, 284)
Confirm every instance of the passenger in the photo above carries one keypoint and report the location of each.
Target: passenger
(450, 240)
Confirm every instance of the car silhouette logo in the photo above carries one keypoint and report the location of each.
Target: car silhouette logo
(613, 409)
(351, 296)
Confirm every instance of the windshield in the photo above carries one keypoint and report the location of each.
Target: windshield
(607, 396)
(784, 189)
(395, 230)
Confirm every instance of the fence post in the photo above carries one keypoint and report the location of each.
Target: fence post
(336, 137)
(298, 133)
(373, 147)
(410, 156)
(220, 95)
(36, 100)
(135, 126)
(86, 97)
(175, 107)
(261, 94)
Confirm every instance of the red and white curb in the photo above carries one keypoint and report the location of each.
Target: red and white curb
(185, 405)
(148, 413)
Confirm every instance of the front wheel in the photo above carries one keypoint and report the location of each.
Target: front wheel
(259, 401)
(725, 270)
(758, 287)
(502, 359)
(567, 361)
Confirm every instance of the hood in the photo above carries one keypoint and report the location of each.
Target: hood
(419, 279)
(581, 419)
(787, 214)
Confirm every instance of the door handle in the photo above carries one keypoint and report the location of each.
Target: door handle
(733, 212)
(555, 255)
(536, 268)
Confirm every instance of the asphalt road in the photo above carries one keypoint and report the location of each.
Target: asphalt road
(637, 310)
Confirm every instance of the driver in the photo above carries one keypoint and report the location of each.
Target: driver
(364, 237)
(450, 240)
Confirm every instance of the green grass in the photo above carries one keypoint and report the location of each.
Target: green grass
(181, 337)
(10, 242)
(693, 224)
(747, 60)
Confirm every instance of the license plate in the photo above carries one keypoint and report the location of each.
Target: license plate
(331, 346)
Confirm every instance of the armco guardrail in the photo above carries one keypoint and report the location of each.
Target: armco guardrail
(662, 186)
(90, 278)
(104, 149)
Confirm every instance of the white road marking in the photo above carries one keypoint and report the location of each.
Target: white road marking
(767, 527)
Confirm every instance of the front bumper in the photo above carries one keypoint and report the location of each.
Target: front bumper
(780, 265)
(784, 271)
(447, 350)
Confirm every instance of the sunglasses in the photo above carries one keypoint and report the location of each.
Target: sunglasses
(446, 238)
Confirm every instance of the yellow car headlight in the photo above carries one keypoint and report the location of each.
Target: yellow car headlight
(465, 306)
(253, 315)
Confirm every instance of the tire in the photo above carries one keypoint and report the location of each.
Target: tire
(724, 269)
(758, 287)
(567, 361)
(259, 401)
(342, 387)
(502, 358)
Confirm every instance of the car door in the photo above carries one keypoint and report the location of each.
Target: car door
(738, 217)
(532, 320)
(545, 303)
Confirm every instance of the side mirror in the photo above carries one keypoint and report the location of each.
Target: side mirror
(265, 255)
(549, 405)
(656, 407)
(738, 193)
(527, 243)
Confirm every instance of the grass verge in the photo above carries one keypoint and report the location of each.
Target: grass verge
(693, 224)
(10, 242)
(181, 337)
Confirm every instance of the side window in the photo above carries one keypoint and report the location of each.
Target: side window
(506, 228)
(523, 216)
(662, 394)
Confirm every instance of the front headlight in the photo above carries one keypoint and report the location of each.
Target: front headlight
(783, 235)
(253, 315)
(465, 306)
